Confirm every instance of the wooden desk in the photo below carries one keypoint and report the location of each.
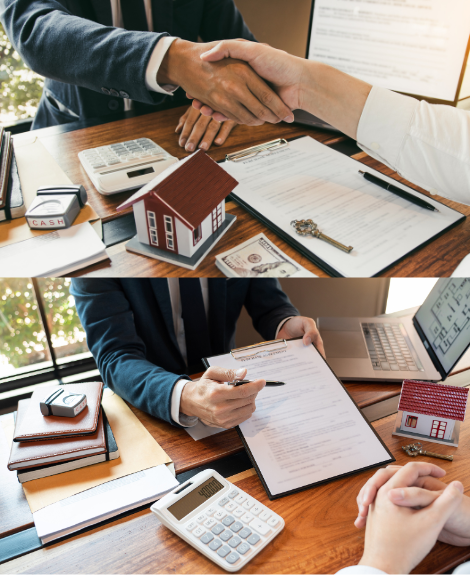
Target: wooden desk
(319, 536)
(438, 259)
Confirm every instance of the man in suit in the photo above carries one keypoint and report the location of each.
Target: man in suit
(145, 334)
(98, 55)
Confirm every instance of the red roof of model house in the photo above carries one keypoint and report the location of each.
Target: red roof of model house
(436, 399)
(192, 188)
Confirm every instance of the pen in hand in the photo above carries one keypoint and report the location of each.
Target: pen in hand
(243, 381)
(398, 191)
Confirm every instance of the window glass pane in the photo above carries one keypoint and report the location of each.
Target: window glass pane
(20, 88)
(67, 334)
(408, 292)
(23, 344)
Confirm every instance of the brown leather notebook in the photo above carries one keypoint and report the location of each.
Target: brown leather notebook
(32, 454)
(35, 426)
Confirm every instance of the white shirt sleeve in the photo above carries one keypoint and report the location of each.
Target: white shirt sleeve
(360, 570)
(279, 327)
(154, 65)
(176, 415)
(427, 144)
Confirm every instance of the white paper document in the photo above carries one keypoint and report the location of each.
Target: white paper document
(308, 180)
(407, 46)
(103, 502)
(201, 431)
(309, 430)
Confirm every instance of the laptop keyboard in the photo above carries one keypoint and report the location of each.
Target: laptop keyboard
(388, 348)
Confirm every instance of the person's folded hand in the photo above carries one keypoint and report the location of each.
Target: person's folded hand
(197, 130)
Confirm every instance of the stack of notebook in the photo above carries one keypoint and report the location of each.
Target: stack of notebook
(47, 445)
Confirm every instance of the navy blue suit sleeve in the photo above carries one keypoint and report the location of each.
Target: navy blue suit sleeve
(119, 352)
(77, 51)
(222, 20)
(268, 305)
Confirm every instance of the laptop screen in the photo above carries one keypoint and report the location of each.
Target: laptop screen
(444, 319)
(410, 46)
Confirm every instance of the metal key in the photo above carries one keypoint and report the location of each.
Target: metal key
(415, 449)
(310, 228)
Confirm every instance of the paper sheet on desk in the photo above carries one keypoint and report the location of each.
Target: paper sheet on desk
(138, 451)
(36, 168)
(310, 180)
(200, 431)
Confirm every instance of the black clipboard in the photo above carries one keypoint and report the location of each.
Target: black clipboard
(309, 254)
(315, 484)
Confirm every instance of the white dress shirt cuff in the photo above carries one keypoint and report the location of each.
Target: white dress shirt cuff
(360, 570)
(154, 65)
(279, 327)
(176, 415)
(385, 124)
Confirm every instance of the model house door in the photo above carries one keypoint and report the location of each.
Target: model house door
(438, 429)
(152, 224)
(169, 232)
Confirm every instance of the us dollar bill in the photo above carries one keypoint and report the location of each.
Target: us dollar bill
(259, 257)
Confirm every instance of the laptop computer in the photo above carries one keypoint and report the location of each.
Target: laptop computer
(394, 45)
(425, 346)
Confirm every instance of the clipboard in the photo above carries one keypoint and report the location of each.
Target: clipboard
(292, 242)
(239, 354)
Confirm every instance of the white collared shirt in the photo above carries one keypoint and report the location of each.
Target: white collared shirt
(427, 144)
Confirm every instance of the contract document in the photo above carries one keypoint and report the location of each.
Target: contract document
(413, 47)
(308, 180)
(308, 431)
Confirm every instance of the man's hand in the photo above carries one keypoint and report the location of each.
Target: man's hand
(398, 538)
(229, 86)
(220, 405)
(197, 129)
(304, 327)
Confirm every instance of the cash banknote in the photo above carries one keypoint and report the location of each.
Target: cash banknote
(258, 257)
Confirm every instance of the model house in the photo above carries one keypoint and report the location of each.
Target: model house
(430, 411)
(182, 208)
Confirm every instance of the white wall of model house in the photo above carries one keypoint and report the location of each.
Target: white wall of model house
(424, 424)
(141, 222)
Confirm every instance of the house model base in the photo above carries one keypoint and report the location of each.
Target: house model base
(190, 263)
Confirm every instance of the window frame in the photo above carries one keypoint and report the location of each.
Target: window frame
(409, 421)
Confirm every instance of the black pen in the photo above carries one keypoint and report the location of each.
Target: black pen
(268, 383)
(398, 191)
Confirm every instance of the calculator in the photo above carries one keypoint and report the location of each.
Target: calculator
(125, 165)
(218, 519)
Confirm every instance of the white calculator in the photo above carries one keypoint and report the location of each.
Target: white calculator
(125, 165)
(218, 519)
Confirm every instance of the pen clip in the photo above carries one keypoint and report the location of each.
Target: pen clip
(255, 150)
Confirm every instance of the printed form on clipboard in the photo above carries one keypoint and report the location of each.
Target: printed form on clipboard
(308, 431)
(303, 179)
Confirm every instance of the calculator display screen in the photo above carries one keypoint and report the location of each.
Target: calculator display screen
(197, 497)
(142, 172)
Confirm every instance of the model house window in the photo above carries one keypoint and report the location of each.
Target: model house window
(197, 235)
(438, 429)
(411, 421)
(216, 217)
(219, 215)
(152, 222)
(170, 237)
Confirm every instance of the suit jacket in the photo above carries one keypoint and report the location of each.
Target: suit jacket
(129, 327)
(73, 44)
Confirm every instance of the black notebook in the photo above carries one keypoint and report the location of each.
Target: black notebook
(15, 206)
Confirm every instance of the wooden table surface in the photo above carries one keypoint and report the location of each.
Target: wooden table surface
(319, 536)
(438, 259)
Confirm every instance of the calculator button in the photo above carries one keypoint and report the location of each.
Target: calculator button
(231, 506)
(224, 501)
(256, 509)
(240, 499)
(235, 542)
(253, 539)
(273, 521)
(233, 493)
(227, 521)
(260, 527)
(191, 526)
(265, 516)
(211, 511)
(243, 548)
(201, 518)
(210, 523)
(199, 531)
(247, 518)
(217, 530)
(220, 514)
(226, 535)
(224, 551)
(236, 526)
(248, 504)
(207, 538)
(245, 532)
(214, 545)
(233, 557)
(238, 512)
